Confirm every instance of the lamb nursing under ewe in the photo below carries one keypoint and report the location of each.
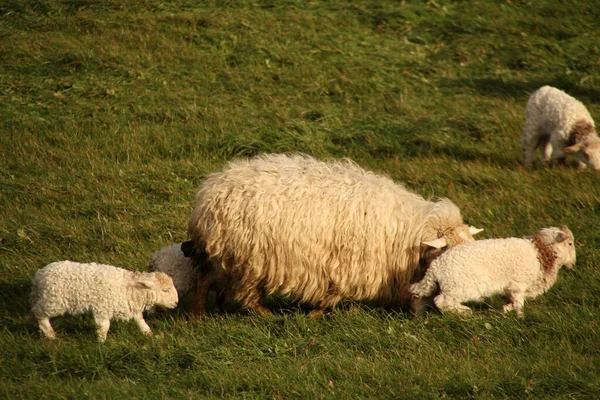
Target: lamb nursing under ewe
(559, 124)
(519, 268)
(107, 291)
(317, 231)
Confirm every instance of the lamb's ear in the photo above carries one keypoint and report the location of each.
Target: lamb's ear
(144, 284)
(437, 243)
(572, 149)
(474, 231)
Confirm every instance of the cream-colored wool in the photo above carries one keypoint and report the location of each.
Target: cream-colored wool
(107, 292)
(519, 268)
(559, 124)
(171, 261)
(317, 231)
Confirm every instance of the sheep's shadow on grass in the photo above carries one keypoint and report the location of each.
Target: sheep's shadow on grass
(520, 90)
(15, 307)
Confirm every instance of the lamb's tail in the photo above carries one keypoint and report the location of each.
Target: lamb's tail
(425, 287)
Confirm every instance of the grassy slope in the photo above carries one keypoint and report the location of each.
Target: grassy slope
(112, 112)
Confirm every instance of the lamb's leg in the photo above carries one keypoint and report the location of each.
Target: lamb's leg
(530, 140)
(46, 328)
(141, 322)
(445, 303)
(546, 149)
(516, 303)
(417, 306)
(102, 327)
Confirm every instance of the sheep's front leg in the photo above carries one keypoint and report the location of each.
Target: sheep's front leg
(46, 328)
(445, 303)
(141, 322)
(102, 327)
(516, 303)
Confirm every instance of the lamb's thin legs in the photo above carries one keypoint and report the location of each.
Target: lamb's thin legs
(517, 301)
(530, 140)
(45, 326)
(102, 327)
(139, 319)
(445, 303)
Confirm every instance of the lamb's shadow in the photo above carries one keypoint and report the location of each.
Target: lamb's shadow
(519, 89)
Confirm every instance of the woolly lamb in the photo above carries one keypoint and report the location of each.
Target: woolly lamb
(559, 124)
(518, 268)
(108, 292)
(316, 231)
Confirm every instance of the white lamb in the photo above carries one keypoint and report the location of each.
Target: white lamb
(559, 124)
(519, 268)
(107, 292)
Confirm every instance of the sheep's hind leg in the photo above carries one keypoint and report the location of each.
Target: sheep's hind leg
(449, 304)
(102, 327)
(46, 328)
(141, 322)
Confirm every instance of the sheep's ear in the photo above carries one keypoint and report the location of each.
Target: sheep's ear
(474, 231)
(437, 243)
(572, 149)
(145, 284)
(188, 248)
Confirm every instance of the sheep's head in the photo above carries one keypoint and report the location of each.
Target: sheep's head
(565, 247)
(448, 238)
(587, 151)
(161, 284)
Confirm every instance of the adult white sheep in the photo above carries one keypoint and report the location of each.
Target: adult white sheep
(316, 231)
(108, 292)
(519, 268)
(559, 124)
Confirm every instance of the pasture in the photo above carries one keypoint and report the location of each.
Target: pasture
(113, 111)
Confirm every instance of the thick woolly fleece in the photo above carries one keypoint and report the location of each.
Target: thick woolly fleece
(106, 291)
(519, 268)
(559, 124)
(317, 231)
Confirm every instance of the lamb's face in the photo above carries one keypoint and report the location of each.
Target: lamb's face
(566, 252)
(165, 291)
(591, 152)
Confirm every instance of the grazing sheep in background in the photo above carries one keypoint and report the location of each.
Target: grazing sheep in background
(179, 262)
(518, 268)
(559, 124)
(316, 231)
(108, 292)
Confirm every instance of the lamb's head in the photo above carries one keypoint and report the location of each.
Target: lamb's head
(587, 151)
(562, 242)
(448, 237)
(160, 288)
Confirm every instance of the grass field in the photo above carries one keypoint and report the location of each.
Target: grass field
(112, 112)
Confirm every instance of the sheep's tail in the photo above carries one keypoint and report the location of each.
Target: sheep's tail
(425, 287)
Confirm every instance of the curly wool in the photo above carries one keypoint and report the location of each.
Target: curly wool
(317, 231)
(555, 120)
(517, 267)
(171, 261)
(106, 291)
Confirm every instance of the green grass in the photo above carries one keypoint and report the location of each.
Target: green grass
(112, 112)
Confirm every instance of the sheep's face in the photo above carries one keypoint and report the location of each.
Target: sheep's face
(587, 151)
(451, 237)
(166, 294)
(565, 247)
